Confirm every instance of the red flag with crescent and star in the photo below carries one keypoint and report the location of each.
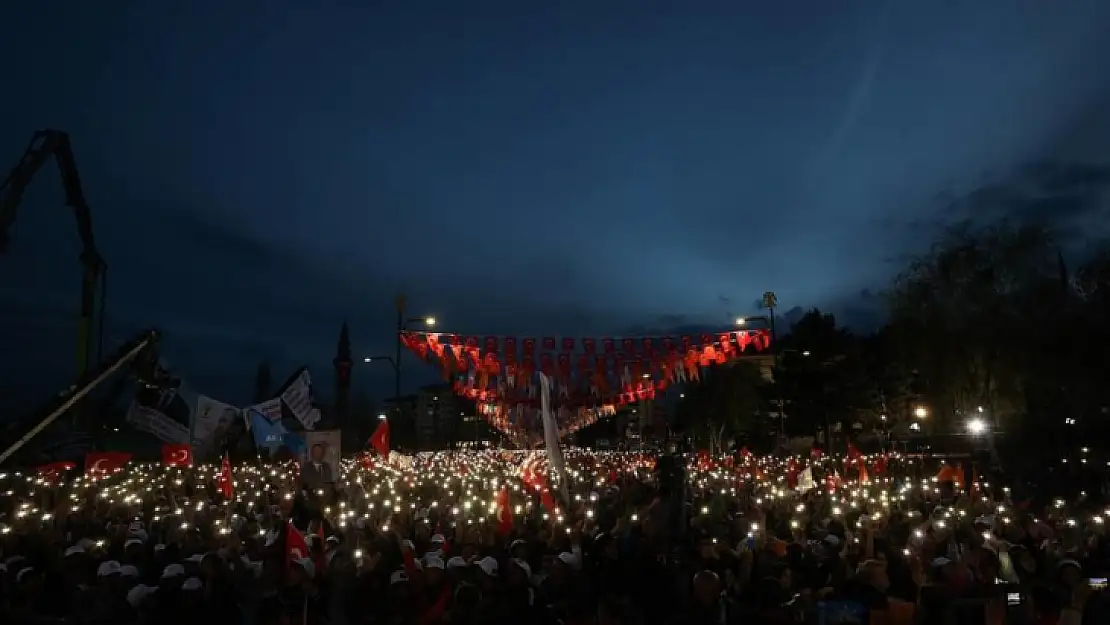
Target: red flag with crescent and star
(227, 489)
(380, 439)
(101, 462)
(296, 547)
(504, 513)
(177, 455)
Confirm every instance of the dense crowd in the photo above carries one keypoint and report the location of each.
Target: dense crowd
(498, 537)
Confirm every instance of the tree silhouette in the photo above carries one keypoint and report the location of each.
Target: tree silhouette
(726, 404)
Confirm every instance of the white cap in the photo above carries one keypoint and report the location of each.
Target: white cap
(523, 566)
(517, 543)
(109, 567)
(438, 538)
(941, 561)
(456, 562)
(173, 570)
(74, 550)
(136, 595)
(308, 565)
(193, 583)
(433, 562)
(488, 566)
(131, 541)
(128, 571)
(567, 558)
(398, 577)
(196, 558)
(24, 573)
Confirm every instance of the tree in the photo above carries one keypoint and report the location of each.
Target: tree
(965, 316)
(726, 404)
(823, 378)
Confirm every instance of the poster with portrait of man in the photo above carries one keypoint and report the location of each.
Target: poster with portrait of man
(320, 464)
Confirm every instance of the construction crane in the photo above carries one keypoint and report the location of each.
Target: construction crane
(44, 145)
(141, 350)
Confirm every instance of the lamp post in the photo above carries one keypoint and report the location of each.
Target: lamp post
(770, 301)
(402, 322)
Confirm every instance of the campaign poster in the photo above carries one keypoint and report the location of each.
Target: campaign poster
(211, 421)
(320, 462)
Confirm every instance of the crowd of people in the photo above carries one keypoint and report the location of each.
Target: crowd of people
(500, 537)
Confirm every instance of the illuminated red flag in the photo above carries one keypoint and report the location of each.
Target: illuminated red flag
(177, 455)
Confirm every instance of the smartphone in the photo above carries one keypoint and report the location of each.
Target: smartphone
(1013, 598)
(1097, 583)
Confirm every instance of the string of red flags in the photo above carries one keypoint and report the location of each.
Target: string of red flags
(591, 377)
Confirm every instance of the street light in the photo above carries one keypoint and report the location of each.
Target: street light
(921, 412)
(402, 322)
(976, 426)
(382, 416)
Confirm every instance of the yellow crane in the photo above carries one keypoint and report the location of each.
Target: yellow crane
(44, 145)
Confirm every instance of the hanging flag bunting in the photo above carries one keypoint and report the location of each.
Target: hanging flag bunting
(586, 382)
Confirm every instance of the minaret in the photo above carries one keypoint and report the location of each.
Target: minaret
(342, 364)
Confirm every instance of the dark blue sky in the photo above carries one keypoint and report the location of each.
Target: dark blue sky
(260, 171)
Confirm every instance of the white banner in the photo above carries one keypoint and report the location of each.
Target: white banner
(299, 399)
(551, 436)
(805, 481)
(154, 422)
(211, 419)
(271, 409)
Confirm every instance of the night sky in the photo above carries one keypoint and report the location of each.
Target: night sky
(261, 171)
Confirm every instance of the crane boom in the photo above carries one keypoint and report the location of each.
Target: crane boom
(146, 342)
(45, 144)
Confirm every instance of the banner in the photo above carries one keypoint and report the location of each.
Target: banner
(154, 422)
(320, 462)
(805, 481)
(273, 437)
(165, 410)
(271, 409)
(211, 420)
(551, 436)
(298, 397)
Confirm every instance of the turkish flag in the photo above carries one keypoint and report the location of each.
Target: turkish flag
(177, 455)
(101, 462)
(54, 468)
(853, 453)
(504, 514)
(227, 489)
(380, 439)
(296, 547)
